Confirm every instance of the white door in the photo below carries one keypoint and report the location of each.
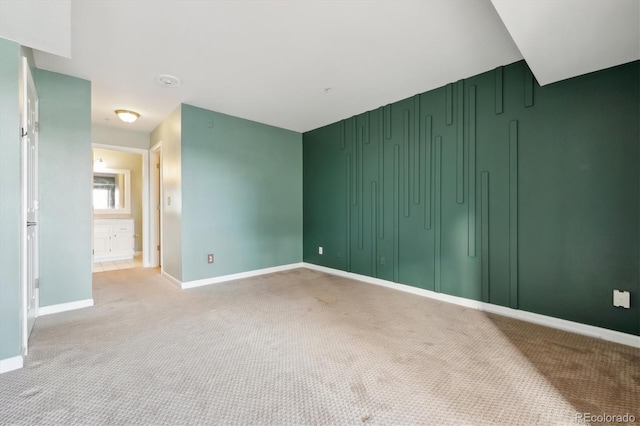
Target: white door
(30, 261)
(158, 209)
(155, 200)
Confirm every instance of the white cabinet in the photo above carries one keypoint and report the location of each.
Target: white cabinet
(112, 239)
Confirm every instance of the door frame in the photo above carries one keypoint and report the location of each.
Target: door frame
(156, 188)
(146, 247)
(25, 80)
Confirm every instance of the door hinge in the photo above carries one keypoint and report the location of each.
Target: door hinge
(158, 247)
(157, 165)
(22, 132)
(37, 282)
(93, 252)
(37, 126)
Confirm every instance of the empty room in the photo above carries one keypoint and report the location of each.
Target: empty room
(319, 212)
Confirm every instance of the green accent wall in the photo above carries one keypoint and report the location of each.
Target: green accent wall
(10, 336)
(65, 221)
(169, 133)
(491, 188)
(241, 194)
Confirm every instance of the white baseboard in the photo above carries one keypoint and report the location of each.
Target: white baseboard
(10, 364)
(239, 276)
(63, 307)
(230, 277)
(561, 324)
(112, 258)
(172, 279)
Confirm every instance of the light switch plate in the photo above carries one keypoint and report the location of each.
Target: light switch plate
(621, 298)
(319, 250)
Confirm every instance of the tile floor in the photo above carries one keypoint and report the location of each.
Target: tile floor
(136, 262)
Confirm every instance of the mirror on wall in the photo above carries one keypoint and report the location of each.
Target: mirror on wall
(111, 191)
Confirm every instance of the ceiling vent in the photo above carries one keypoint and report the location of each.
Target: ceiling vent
(166, 80)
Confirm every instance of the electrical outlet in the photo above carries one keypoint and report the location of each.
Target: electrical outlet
(168, 201)
(210, 123)
(621, 299)
(383, 261)
(319, 250)
(210, 258)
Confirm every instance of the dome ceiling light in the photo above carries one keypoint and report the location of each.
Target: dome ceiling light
(127, 116)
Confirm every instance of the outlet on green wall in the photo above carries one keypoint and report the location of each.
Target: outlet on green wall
(491, 188)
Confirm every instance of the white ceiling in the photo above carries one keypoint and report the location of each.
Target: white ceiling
(270, 61)
(562, 39)
(49, 24)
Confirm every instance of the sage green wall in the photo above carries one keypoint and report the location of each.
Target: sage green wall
(132, 162)
(108, 135)
(241, 194)
(65, 192)
(9, 200)
(491, 188)
(169, 133)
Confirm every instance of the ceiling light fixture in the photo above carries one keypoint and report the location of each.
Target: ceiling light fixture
(166, 80)
(127, 116)
(99, 164)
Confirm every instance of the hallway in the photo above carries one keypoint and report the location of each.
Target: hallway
(136, 262)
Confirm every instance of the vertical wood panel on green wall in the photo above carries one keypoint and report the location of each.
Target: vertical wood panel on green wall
(498, 90)
(460, 142)
(427, 171)
(471, 220)
(437, 261)
(491, 188)
(513, 213)
(484, 219)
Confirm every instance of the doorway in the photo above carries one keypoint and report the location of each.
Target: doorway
(29, 258)
(155, 193)
(135, 163)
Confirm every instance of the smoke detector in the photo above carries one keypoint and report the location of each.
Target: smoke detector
(166, 80)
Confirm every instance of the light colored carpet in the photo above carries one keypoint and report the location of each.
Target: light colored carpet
(303, 347)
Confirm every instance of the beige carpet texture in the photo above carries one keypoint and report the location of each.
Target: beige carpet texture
(305, 348)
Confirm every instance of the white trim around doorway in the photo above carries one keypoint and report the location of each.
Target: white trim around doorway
(155, 202)
(146, 247)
